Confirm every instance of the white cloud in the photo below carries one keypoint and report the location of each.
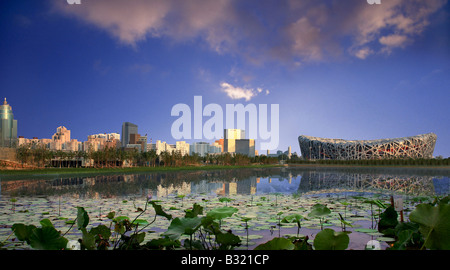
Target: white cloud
(393, 40)
(393, 24)
(363, 53)
(236, 92)
(290, 31)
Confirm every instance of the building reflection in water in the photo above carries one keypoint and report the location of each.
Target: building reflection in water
(231, 182)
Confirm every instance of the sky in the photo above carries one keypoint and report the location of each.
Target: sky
(337, 69)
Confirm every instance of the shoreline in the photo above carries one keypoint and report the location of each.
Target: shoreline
(4, 174)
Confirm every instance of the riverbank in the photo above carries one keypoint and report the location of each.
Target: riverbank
(4, 174)
(46, 172)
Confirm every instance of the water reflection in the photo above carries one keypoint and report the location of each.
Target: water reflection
(240, 181)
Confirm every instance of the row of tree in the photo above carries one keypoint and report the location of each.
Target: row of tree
(115, 157)
(378, 162)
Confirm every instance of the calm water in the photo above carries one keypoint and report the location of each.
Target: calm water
(287, 180)
(55, 197)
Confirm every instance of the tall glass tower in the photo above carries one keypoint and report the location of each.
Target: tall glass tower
(128, 129)
(8, 127)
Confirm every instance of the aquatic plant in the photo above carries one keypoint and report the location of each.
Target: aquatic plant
(434, 224)
(45, 238)
(225, 200)
(319, 211)
(328, 239)
(294, 218)
(195, 228)
(246, 220)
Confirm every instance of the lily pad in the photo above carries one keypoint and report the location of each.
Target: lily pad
(222, 212)
(319, 210)
(328, 239)
(47, 238)
(434, 224)
(386, 239)
(182, 226)
(366, 230)
(276, 244)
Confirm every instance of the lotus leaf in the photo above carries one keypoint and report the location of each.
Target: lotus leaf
(159, 211)
(47, 238)
(292, 218)
(22, 231)
(319, 210)
(222, 212)
(227, 240)
(82, 218)
(46, 222)
(140, 222)
(277, 243)
(180, 226)
(434, 224)
(328, 239)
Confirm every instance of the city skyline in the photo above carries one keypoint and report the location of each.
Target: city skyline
(349, 70)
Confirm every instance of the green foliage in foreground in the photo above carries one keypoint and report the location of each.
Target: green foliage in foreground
(428, 228)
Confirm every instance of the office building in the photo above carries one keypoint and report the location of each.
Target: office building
(128, 129)
(235, 142)
(183, 147)
(180, 146)
(234, 134)
(220, 142)
(8, 126)
(204, 148)
(245, 147)
(201, 148)
(61, 141)
(101, 141)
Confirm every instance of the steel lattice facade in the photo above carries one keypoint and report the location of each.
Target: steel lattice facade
(420, 146)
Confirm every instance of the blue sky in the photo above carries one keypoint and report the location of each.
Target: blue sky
(337, 69)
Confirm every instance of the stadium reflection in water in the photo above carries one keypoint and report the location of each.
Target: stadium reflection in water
(287, 180)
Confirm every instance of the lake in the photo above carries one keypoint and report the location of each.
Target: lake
(258, 193)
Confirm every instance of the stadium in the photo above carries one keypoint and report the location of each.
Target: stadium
(415, 147)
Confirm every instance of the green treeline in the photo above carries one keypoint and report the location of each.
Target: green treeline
(376, 162)
(115, 157)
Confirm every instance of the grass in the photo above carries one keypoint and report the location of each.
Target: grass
(68, 171)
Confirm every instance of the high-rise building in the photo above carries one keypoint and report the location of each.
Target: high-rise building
(234, 134)
(100, 141)
(245, 147)
(220, 142)
(182, 147)
(204, 148)
(230, 136)
(8, 126)
(235, 142)
(61, 141)
(62, 134)
(128, 129)
(201, 148)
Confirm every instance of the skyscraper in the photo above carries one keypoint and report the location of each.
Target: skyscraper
(234, 134)
(8, 127)
(128, 129)
(235, 142)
